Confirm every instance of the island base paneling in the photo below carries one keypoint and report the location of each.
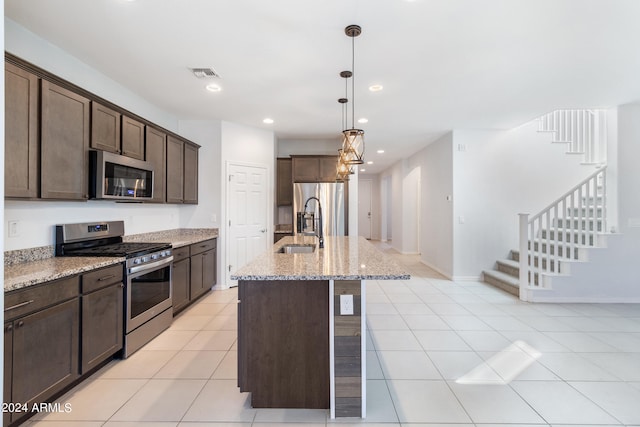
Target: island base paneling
(283, 343)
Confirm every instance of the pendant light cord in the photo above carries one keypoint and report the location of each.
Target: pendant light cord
(353, 83)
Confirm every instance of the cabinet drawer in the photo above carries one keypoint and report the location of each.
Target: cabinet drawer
(37, 297)
(100, 278)
(207, 245)
(180, 253)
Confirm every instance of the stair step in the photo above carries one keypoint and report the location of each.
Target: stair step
(502, 281)
(509, 266)
(512, 267)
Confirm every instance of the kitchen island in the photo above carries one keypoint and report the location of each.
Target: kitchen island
(301, 323)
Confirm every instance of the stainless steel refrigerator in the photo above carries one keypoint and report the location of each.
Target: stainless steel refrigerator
(332, 196)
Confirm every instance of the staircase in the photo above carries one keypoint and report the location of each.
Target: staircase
(565, 231)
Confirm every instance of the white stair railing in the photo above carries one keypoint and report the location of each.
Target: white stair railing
(584, 131)
(561, 229)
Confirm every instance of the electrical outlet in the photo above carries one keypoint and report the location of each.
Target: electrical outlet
(14, 230)
(346, 305)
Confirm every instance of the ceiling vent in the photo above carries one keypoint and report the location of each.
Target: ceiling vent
(204, 73)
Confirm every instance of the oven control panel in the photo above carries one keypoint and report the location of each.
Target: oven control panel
(149, 258)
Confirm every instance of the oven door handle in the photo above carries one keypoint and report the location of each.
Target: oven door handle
(151, 266)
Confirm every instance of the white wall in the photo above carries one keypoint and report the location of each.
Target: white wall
(208, 134)
(492, 176)
(393, 176)
(288, 147)
(411, 211)
(612, 273)
(248, 146)
(376, 205)
(49, 57)
(436, 213)
(496, 175)
(37, 218)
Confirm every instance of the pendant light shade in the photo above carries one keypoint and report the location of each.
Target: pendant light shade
(352, 139)
(344, 169)
(353, 146)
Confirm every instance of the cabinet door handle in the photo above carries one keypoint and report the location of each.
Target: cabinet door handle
(8, 328)
(22, 304)
(20, 324)
(121, 285)
(106, 277)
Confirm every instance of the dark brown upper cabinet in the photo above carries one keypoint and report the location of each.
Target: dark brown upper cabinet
(21, 174)
(284, 183)
(114, 132)
(314, 168)
(190, 173)
(182, 171)
(64, 143)
(133, 133)
(157, 156)
(105, 128)
(175, 170)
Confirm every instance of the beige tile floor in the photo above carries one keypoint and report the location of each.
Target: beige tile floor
(439, 353)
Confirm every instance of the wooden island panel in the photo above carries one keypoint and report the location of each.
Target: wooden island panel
(283, 343)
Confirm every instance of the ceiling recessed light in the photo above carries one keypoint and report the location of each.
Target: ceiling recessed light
(212, 87)
(363, 170)
(363, 120)
(380, 151)
(268, 121)
(369, 162)
(375, 88)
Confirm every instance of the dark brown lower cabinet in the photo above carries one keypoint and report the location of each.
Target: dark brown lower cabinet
(8, 369)
(283, 343)
(58, 331)
(194, 272)
(181, 278)
(102, 330)
(203, 267)
(44, 353)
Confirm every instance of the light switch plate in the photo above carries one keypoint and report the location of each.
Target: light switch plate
(346, 305)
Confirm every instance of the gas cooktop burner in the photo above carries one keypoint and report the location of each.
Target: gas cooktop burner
(122, 249)
(103, 239)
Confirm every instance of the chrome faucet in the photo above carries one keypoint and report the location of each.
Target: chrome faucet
(320, 238)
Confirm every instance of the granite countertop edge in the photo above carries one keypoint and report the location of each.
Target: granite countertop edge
(46, 267)
(342, 258)
(20, 276)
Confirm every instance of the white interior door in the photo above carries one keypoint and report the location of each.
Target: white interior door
(364, 208)
(246, 215)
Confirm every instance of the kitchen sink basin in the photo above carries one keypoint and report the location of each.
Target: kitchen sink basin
(297, 249)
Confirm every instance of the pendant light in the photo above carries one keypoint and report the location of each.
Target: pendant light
(344, 169)
(353, 139)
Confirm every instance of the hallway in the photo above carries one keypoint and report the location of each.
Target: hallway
(439, 352)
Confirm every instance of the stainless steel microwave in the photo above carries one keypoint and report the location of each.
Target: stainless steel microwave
(113, 176)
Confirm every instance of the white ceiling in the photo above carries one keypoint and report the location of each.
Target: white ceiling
(444, 64)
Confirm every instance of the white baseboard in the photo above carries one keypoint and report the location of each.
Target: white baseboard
(589, 300)
(433, 267)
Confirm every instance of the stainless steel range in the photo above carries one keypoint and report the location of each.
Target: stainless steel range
(148, 267)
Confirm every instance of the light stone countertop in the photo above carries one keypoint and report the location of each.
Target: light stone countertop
(178, 237)
(39, 265)
(31, 273)
(342, 258)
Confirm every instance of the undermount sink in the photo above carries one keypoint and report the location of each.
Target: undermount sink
(297, 249)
